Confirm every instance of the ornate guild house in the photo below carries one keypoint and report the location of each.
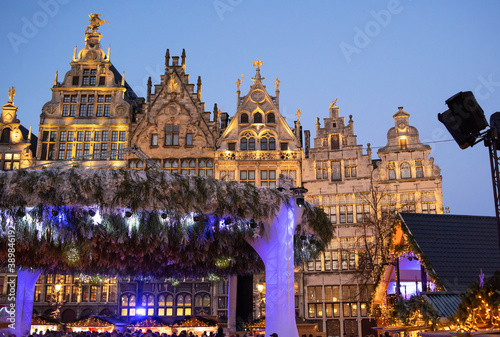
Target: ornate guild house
(94, 119)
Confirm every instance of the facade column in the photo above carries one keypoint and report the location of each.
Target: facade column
(25, 295)
(231, 302)
(275, 247)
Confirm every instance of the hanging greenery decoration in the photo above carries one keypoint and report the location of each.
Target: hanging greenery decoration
(142, 223)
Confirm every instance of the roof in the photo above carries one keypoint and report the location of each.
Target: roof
(457, 247)
(445, 303)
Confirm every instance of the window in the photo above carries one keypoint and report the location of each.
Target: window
(284, 146)
(257, 117)
(148, 303)
(231, 146)
(189, 139)
(263, 144)
(335, 142)
(332, 293)
(314, 294)
(183, 305)
(407, 202)
(74, 294)
(391, 167)
(321, 170)
(202, 304)
(11, 161)
(362, 213)
(428, 199)
(122, 136)
(247, 176)
(267, 142)
(102, 80)
(226, 175)
(251, 144)
(244, 118)
(93, 293)
(315, 310)
(349, 293)
(271, 118)
(128, 305)
(38, 293)
(403, 143)
(76, 80)
(350, 309)
(205, 168)
(332, 211)
(247, 142)
(171, 166)
(85, 293)
(154, 139)
(336, 171)
(188, 166)
(165, 305)
(405, 170)
(350, 168)
(272, 144)
(172, 135)
(104, 293)
(419, 169)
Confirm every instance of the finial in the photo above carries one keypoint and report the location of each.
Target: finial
(74, 54)
(350, 119)
(167, 60)
(298, 115)
(55, 79)
(123, 78)
(109, 51)
(149, 86)
(29, 134)
(257, 64)
(238, 82)
(12, 93)
(215, 109)
(183, 56)
(277, 84)
(94, 24)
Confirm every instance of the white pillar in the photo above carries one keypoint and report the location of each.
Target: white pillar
(231, 302)
(275, 247)
(25, 294)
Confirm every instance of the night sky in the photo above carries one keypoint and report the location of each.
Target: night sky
(373, 56)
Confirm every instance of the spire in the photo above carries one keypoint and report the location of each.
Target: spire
(257, 77)
(167, 60)
(109, 51)
(149, 87)
(29, 134)
(198, 91)
(74, 54)
(55, 79)
(123, 79)
(183, 57)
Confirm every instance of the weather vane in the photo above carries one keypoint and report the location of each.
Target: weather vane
(95, 22)
(257, 63)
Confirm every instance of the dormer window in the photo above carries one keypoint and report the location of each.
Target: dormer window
(403, 143)
(244, 118)
(271, 118)
(257, 118)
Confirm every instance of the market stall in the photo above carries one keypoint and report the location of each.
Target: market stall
(92, 323)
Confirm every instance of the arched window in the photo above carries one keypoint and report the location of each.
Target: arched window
(271, 118)
(5, 136)
(183, 305)
(171, 166)
(243, 144)
(148, 303)
(202, 304)
(272, 143)
(263, 144)
(257, 118)
(251, 144)
(165, 305)
(244, 118)
(128, 305)
(405, 170)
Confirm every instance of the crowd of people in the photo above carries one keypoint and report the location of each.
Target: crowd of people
(128, 333)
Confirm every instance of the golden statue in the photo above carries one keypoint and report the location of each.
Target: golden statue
(277, 84)
(172, 85)
(95, 22)
(298, 115)
(12, 93)
(257, 63)
(238, 82)
(333, 103)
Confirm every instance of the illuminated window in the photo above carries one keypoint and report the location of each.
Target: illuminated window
(93, 293)
(268, 178)
(171, 135)
(128, 305)
(148, 303)
(11, 161)
(183, 305)
(428, 199)
(202, 303)
(314, 294)
(405, 170)
(38, 293)
(165, 305)
(403, 143)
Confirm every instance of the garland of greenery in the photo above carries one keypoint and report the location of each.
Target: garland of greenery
(149, 223)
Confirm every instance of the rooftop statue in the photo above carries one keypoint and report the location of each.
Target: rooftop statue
(12, 93)
(95, 22)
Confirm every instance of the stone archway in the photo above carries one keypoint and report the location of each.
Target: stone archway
(68, 316)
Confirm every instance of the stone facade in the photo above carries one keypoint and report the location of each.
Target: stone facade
(94, 113)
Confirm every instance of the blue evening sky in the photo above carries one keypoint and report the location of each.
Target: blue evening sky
(372, 55)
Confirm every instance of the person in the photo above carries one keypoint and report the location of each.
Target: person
(220, 333)
(274, 334)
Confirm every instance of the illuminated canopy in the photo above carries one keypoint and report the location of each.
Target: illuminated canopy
(143, 223)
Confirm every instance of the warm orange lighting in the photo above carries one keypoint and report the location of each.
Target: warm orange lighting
(260, 287)
(58, 287)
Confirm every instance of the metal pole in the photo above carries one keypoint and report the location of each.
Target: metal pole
(491, 139)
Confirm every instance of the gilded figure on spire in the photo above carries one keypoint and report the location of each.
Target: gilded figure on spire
(95, 22)
(12, 93)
